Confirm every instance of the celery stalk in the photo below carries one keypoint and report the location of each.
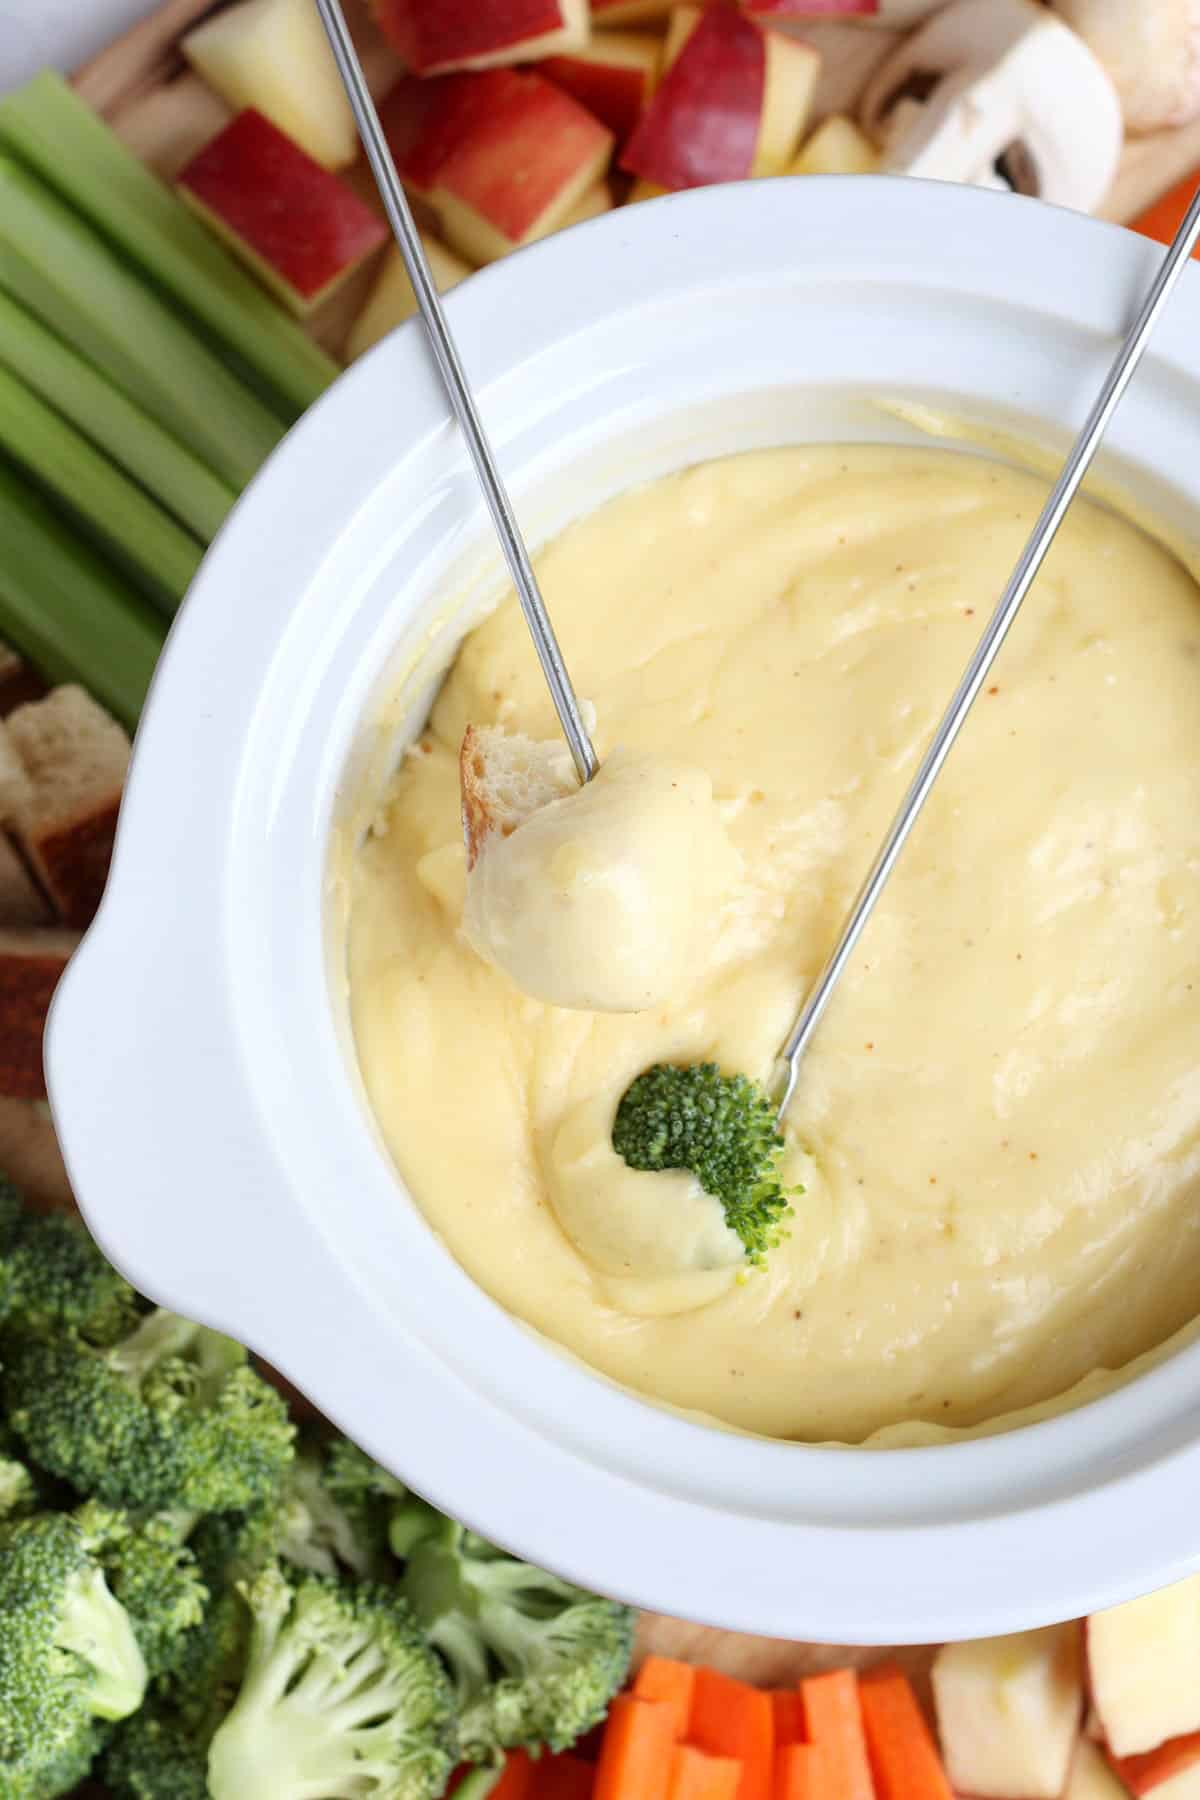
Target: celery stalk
(114, 424)
(57, 267)
(64, 608)
(133, 527)
(72, 149)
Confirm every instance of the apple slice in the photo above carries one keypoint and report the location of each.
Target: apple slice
(301, 229)
(273, 55)
(613, 76)
(1008, 1712)
(644, 190)
(1090, 1777)
(733, 102)
(837, 147)
(392, 300)
(502, 157)
(1144, 1668)
(596, 201)
(629, 12)
(883, 12)
(1172, 1772)
(434, 36)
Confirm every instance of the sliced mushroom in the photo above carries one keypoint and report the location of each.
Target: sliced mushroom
(1000, 94)
(1151, 48)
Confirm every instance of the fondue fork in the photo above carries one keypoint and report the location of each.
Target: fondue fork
(445, 351)
(1044, 532)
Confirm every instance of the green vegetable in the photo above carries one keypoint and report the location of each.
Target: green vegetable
(534, 1660)
(112, 422)
(69, 278)
(18, 1490)
(341, 1696)
(56, 133)
(67, 1646)
(153, 1756)
(720, 1127)
(66, 610)
(54, 1275)
(57, 1763)
(156, 1578)
(153, 548)
(172, 1415)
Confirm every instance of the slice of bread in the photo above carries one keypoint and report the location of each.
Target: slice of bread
(31, 963)
(504, 778)
(75, 758)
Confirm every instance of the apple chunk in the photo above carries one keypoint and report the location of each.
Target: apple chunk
(1090, 1777)
(502, 157)
(1008, 1712)
(1172, 1772)
(392, 300)
(301, 229)
(1144, 1668)
(273, 55)
(837, 147)
(434, 36)
(629, 12)
(613, 77)
(733, 102)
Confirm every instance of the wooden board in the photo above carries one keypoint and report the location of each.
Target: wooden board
(141, 84)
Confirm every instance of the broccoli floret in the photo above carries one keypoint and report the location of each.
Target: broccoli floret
(172, 1416)
(720, 1127)
(18, 1492)
(534, 1659)
(157, 1580)
(56, 1765)
(54, 1276)
(154, 1756)
(68, 1653)
(341, 1697)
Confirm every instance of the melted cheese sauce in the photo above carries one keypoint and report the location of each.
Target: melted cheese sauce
(998, 1124)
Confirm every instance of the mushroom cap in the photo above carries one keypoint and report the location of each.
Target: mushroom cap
(1151, 49)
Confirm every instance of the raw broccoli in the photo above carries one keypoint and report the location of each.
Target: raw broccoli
(153, 1756)
(172, 1416)
(341, 1697)
(18, 1493)
(52, 1276)
(720, 1127)
(61, 1759)
(534, 1660)
(68, 1653)
(157, 1580)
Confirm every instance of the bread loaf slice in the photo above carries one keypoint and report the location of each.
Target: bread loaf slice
(504, 778)
(31, 962)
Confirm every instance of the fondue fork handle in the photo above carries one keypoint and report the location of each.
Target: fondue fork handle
(1009, 604)
(445, 351)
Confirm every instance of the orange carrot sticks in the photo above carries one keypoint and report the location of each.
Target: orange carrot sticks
(635, 1757)
(731, 1719)
(904, 1758)
(514, 1784)
(673, 1683)
(1163, 219)
(833, 1721)
(562, 1778)
(696, 1776)
(799, 1773)
(789, 1717)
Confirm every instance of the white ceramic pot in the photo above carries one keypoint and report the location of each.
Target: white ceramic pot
(200, 1059)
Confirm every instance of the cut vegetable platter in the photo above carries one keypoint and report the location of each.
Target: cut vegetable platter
(159, 106)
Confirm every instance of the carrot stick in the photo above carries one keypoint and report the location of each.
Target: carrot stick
(799, 1773)
(695, 1776)
(562, 1778)
(1149, 1770)
(833, 1720)
(635, 1757)
(662, 1678)
(1163, 219)
(904, 1759)
(514, 1783)
(789, 1718)
(731, 1719)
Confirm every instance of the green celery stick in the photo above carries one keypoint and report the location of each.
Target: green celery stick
(66, 610)
(114, 424)
(139, 534)
(49, 127)
(57, 267)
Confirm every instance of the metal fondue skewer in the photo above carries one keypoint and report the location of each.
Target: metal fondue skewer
(1009, 604)
(408, 239)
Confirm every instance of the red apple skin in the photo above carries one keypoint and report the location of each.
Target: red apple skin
(425, 121)
(702, 124)
(431, 34)
(1142, 1774)
(524, 147)
(302, 222)
(614, 92)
